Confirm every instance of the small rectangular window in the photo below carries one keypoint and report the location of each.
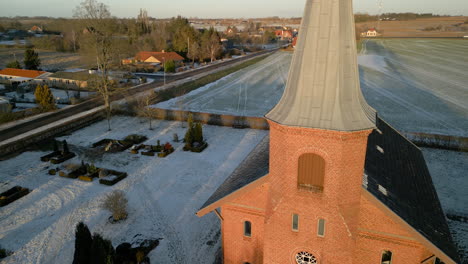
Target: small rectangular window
(321, 228)
(247, 229)
(295, 222)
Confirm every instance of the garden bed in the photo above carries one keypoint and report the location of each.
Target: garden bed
(196, 148)
(48, 157)
(149, 150)
(12, 195)
(113, 178)
(112, 145)
(62, 157)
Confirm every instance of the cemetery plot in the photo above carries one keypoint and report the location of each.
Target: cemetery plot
(163, 193)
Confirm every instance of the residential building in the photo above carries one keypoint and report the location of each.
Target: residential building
(20, 75)
(333, 182)
(158, 57)
(371, 33)
(284, 34)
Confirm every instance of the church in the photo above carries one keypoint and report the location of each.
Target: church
(332, 183)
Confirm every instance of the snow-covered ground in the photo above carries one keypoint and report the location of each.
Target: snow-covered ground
(418, 85)
(249, 92)
(59, 95)
(163, 194)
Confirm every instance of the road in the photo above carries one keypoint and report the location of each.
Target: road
(96, 102)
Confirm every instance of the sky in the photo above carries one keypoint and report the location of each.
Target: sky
(223, 8)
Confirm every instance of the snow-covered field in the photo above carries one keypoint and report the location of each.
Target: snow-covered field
(418, 85)
(249, 92)
(163, 194)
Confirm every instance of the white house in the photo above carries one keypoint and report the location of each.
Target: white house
(371, 33)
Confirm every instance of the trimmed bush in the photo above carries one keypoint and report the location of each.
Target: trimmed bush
(116, 203)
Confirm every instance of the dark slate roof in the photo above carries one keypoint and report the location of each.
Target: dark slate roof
(406, 186)
(254, 167)
(398, 177)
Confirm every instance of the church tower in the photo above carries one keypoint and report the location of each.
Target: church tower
(318, 139)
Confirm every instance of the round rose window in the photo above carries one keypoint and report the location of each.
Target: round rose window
(305, 258)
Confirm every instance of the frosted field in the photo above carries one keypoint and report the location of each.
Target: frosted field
(418, 85)
(164, 195)
(252, 91)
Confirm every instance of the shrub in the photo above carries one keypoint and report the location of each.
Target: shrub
(14, 64)
(4, 253)
(170, 66)
(116, 203)
(102, 251)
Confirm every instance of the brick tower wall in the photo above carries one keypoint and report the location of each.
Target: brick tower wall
(338, 203)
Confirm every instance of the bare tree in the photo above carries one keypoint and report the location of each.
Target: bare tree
(116, 203)
(144, 103)
(98, 45)
(211, 44)
(194, 52)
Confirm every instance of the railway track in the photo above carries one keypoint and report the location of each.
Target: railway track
(24, 127)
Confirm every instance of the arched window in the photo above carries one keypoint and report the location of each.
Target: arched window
(247, 229)
(386, 257)
(311, 172)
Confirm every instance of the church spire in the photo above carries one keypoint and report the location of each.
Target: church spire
(323, 89)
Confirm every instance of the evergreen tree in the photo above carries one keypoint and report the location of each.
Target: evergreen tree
(102, 251)
(14, 65)
(65, 147)
(31, 60)
(44, 97)
(198, 133)
(83, 242)
(189, 137)
(190, 120)
(190, 131)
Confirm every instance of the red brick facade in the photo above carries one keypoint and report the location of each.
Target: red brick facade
(356, 229)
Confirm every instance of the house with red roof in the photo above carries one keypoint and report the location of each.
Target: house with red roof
(158, 57)
(284, 34)
(20, 75)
